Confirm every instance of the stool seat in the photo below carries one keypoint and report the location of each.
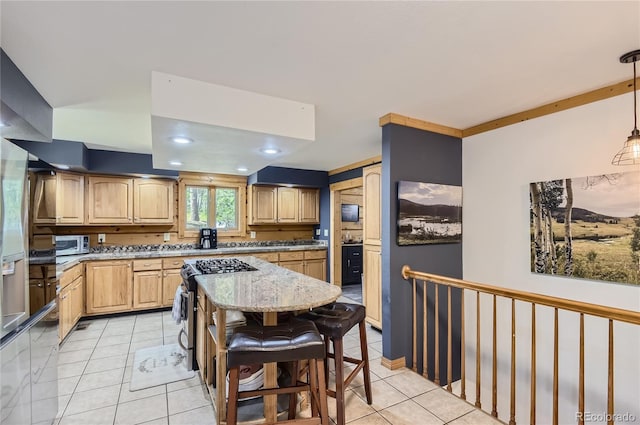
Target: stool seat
(336, 319)
(295, 340)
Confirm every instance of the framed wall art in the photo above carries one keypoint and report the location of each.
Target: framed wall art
(429, 213)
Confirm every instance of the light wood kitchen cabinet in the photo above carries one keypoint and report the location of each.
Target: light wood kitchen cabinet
(70, 300)
(288, 205)
(58, 199)
(283, 205)
(201, 336)
(108, 286)
(153, 201)
(372, 232)
(110, 200)
(147, 283)
(309, 206)
(310, 263)
(171, 278)
(263, 205)
(372, 287)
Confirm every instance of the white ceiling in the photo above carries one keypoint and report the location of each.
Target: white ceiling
(453, 63)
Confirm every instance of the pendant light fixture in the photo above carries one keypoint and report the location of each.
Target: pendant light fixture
(630, 152)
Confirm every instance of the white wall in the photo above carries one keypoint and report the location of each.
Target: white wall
(497, 169)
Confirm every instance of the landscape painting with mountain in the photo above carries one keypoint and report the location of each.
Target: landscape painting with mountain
(429, 213)
(587, 227)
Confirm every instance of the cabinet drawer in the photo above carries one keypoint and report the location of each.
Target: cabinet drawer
(271, 257)
(172, 263)
(292, 256)
(309, 255)
(70, 275)
(150, 264)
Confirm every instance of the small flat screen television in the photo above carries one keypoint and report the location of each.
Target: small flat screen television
(350, 212)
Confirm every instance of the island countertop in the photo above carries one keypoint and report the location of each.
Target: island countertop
(271, 288)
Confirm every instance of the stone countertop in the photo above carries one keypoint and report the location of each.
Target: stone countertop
(66, 262)
(271, 288)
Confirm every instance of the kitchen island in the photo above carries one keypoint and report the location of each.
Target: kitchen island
(269, 289)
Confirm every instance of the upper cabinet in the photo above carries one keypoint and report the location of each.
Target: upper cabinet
(122, 200)
(110, 200)
(58, 199)
(283, 205)
(153, 201)
(309, 206)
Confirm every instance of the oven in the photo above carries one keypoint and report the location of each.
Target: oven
(188, 314)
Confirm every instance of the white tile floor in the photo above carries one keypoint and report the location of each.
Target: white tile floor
(95, 371)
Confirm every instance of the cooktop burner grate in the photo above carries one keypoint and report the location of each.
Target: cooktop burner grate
(222, 265)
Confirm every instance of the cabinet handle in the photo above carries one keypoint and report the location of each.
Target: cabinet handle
(159, 274)
(128, 265)
(136, 218)
(146, 264)
(348, 263)
(39, 285)
(129, 218)
(165, 275)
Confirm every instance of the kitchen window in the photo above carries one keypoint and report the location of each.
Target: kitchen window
(212, 201)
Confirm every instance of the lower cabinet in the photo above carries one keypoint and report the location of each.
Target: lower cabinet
(171, 279)
(70, 306)
(147, 289)
(310, 263)
(109, 286)
(372, 285)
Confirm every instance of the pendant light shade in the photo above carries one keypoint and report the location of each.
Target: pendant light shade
(630, 152)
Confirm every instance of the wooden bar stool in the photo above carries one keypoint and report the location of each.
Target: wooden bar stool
(333, 322)
(294, 341)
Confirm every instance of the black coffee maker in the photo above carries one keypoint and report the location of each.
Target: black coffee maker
(208, 238)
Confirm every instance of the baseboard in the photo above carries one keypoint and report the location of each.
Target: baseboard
(393, 364)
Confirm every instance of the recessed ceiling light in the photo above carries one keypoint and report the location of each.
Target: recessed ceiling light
(61, 166)
(175, 163)
(3, 124)
(270, 151)
(182, 140)
(144, 176)
(242, 169)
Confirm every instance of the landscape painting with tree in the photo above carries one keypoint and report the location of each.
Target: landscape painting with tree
(429, 213)
(587, 227)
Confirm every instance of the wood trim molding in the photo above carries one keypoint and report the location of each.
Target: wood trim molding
(363, 163)
(392, 118)
(553, 107)
(393, 364)
(346, 184)
(540, 111)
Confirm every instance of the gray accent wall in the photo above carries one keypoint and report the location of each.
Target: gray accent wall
(415, 155)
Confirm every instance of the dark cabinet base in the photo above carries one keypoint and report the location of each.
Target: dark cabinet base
(351, 264)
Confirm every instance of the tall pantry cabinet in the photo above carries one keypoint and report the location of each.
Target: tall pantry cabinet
(372, 243)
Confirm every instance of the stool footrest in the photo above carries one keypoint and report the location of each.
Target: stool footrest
(346, 359)
(270, 391)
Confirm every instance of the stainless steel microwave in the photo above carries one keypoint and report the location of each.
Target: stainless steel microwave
(72, 245)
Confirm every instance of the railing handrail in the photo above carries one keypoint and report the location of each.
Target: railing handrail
(622, 315)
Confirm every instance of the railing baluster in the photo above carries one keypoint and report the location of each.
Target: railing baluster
(494, 385)
(532, 415)
(463, 394)
(555, 367)
(425, 356)
(449, 342)
(610, 383)
(478, 404)
(581, 374)
(415, 329)
(436, 378)
(512, 416)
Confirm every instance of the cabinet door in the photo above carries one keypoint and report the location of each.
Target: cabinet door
(147, 289)
(264, 205)
(372, 285)
(153, 201)
(201, 342)
(309, 206)
(288, 207)
(64, 312)
(109, 287)
(37, 295)
(44, 199)
(316, 268)
(371, 177)
(171, 280)
(77, 300)
(296, 266)
(69, 199)
(110, 200)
